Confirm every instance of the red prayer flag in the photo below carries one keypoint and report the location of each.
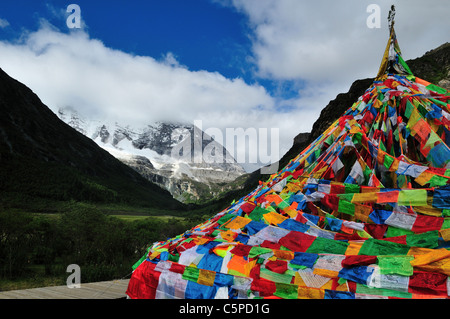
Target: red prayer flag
(358, 260)
(241, 250)
(143, 283)
(278, 266)
(296, 241)
(248, 207)
(427, 223)
(428, 283)
(377, 231)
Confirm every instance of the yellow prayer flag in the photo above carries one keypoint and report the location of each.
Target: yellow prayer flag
(310, 293)
(154, 254)
(428, 210)
(206, 277)
(353, 248)
(445, 234)
(298, 280)
(291, 212)
(413, 119)
(430, 257)
(394, 165)
(274, 218)
(377, 104)
(283, 254)
(424, 177)
(200, 240)
(228, 235)
(222, 250)
(380, 156)
(364, 198)
(294, 187)
(326, 273)
(237, 223)
(419, 251)
(442, 266)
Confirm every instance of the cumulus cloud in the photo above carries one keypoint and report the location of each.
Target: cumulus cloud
(75, 70)
(330, 40)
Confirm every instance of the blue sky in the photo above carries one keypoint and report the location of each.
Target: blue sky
(228, 63)
(203, 35)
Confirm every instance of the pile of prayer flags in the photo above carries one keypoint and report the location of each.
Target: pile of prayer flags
(362, 212)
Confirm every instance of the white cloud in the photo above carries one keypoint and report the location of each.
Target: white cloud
(73, 69)
(330, 41)
(3, 23)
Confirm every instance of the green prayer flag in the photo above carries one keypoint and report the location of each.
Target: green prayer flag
(346, 196)
(283, 205)
(409, 109)
(286, 290)
(395, 232)
(374, 247)
(352, 188)
(437, 180)
(257, 214)
(346, 207)
(327, 246)
(363, 289)
(404, 65)
(446, 223)
(141, 259)
(412, 197)
(436, 88)
(225, 218)
(438, 102)
(428, 239)
(400, 265)
(275, 277)
(191, 273)
(388, 160)
(256, 251)
(356, 139)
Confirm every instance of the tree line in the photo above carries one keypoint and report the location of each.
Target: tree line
(103, 246)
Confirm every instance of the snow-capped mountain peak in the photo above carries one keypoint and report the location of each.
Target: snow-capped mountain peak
(154, 151)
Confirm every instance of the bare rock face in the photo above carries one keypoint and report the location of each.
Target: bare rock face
(445, 83)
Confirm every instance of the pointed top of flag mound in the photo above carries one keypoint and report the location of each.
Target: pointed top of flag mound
(362, 212)
(392, 61)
